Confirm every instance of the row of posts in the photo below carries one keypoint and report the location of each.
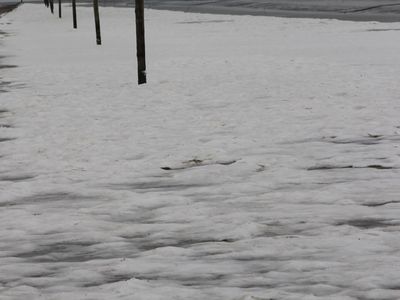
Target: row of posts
(140, 40)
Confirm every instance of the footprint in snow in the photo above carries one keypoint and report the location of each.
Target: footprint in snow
(198, 163)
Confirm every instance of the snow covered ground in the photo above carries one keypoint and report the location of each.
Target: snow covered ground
(261, 161)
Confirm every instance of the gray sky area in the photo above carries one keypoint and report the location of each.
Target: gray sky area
(360, 10)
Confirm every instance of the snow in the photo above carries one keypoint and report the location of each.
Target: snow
(261, 160)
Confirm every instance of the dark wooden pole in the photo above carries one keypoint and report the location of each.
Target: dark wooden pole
(52, 6)
(97, 21)
(140, 41)
(74, 14)
(59, 8)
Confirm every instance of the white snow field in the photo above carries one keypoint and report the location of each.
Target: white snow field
(261, 161)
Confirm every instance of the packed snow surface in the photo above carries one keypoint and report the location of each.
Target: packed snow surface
(261, 161)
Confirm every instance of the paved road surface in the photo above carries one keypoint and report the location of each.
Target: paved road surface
(358, 10)
(6, 7)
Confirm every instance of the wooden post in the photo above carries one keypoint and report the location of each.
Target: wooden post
(74, 14)
(59, 8)
(97, 21)
(140, 41)
(52, 6)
